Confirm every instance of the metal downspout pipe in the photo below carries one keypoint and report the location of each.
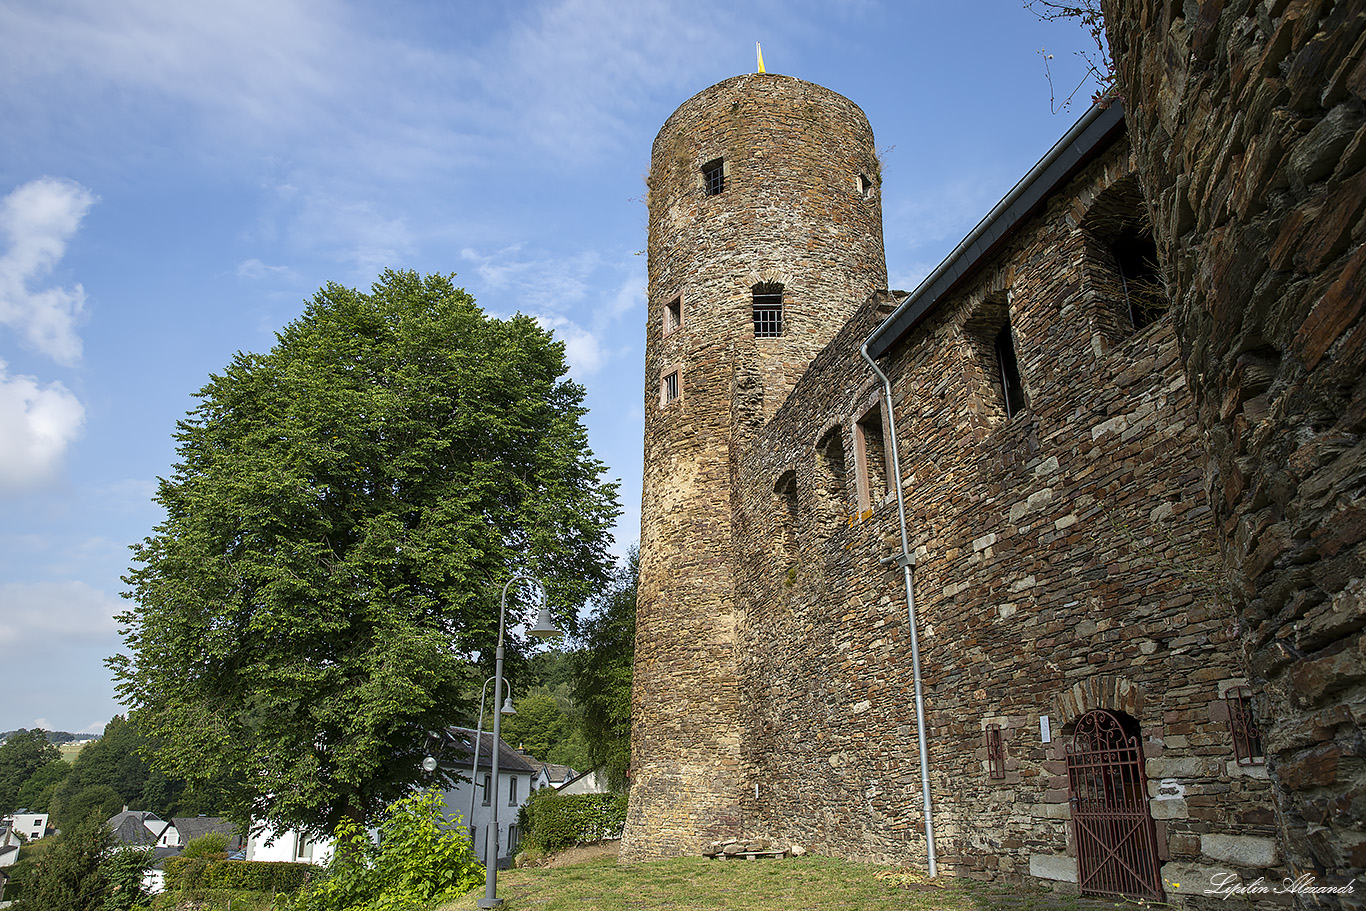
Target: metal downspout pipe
(906, 561)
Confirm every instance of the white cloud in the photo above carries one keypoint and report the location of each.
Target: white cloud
(37, 220)
(37, 424)
(49, 613)
(553, 291)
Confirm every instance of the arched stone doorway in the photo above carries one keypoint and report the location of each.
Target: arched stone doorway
(1113, 830)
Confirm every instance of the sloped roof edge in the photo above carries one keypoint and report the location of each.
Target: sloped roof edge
(1096, 129)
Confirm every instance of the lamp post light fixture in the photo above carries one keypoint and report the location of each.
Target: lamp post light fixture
(544, 629)
(507, 709)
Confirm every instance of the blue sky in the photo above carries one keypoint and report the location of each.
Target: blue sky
(178, 177)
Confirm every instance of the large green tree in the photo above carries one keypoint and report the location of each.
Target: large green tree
(338, 527)
(602, 674)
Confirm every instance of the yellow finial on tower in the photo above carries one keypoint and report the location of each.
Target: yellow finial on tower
(758, 52)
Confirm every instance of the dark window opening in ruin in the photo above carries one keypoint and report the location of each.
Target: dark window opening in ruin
(786, 491)
(1140, 279)
(714, 177)
(1123, 277)
(873, 470)
(996, 752)
(829, 490)
(669, 388)
(865, 186)
(673, 314)
(994, 387)
(1247, 737)
(768, 310)
(1012, 391)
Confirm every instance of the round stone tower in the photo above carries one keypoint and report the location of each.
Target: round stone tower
(765, 236)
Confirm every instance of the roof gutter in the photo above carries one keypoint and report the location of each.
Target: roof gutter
(1087, 136)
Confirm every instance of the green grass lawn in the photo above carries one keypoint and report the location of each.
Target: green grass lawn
(816, 883)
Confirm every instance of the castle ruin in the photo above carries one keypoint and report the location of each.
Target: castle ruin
(1101, 478)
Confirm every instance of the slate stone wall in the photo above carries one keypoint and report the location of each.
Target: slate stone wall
(1250, 132)
(1063, 563)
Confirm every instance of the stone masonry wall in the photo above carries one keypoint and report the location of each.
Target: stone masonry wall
(799, 208)
(1250, 131)
(1063, 564)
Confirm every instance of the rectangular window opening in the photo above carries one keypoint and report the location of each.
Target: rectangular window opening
(669, 388)
(768, 311)
(1247, 737)
(714, 177)
(673, 314)
(488, 788)
(512, 791)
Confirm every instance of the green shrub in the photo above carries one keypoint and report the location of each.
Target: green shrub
(551, 821)
(417, 863)
(210, 844)
(195, 874)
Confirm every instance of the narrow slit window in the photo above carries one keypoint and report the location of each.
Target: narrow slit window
(1247, 737)
(768, 311)
(865, 186)
(488, 788)
(673, 314)
(996, 752)
(1011, 389)
(786, 490)
(669, 388)
(714, 177)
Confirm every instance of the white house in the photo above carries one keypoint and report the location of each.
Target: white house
(288, 845)
(552, 775)
(584, 783)
(30, 825)
(515, 778)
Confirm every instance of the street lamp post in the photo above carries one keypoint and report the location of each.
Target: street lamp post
(544, 629)
(507, 709)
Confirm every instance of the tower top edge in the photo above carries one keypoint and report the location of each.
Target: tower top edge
(750, 84)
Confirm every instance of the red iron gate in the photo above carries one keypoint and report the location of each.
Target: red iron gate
(1115, 838)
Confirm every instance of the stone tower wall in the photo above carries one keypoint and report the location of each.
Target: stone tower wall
(799, 208)
(1249, 124)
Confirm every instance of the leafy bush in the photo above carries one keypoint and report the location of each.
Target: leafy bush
(417, 863)
(210, 844)
(551, 821)
(193, 874)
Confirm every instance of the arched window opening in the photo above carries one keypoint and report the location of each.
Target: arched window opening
(1122, 269)
(996, 387)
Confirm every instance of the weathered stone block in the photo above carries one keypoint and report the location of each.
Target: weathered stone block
(1056, 867)
(1243, 850)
